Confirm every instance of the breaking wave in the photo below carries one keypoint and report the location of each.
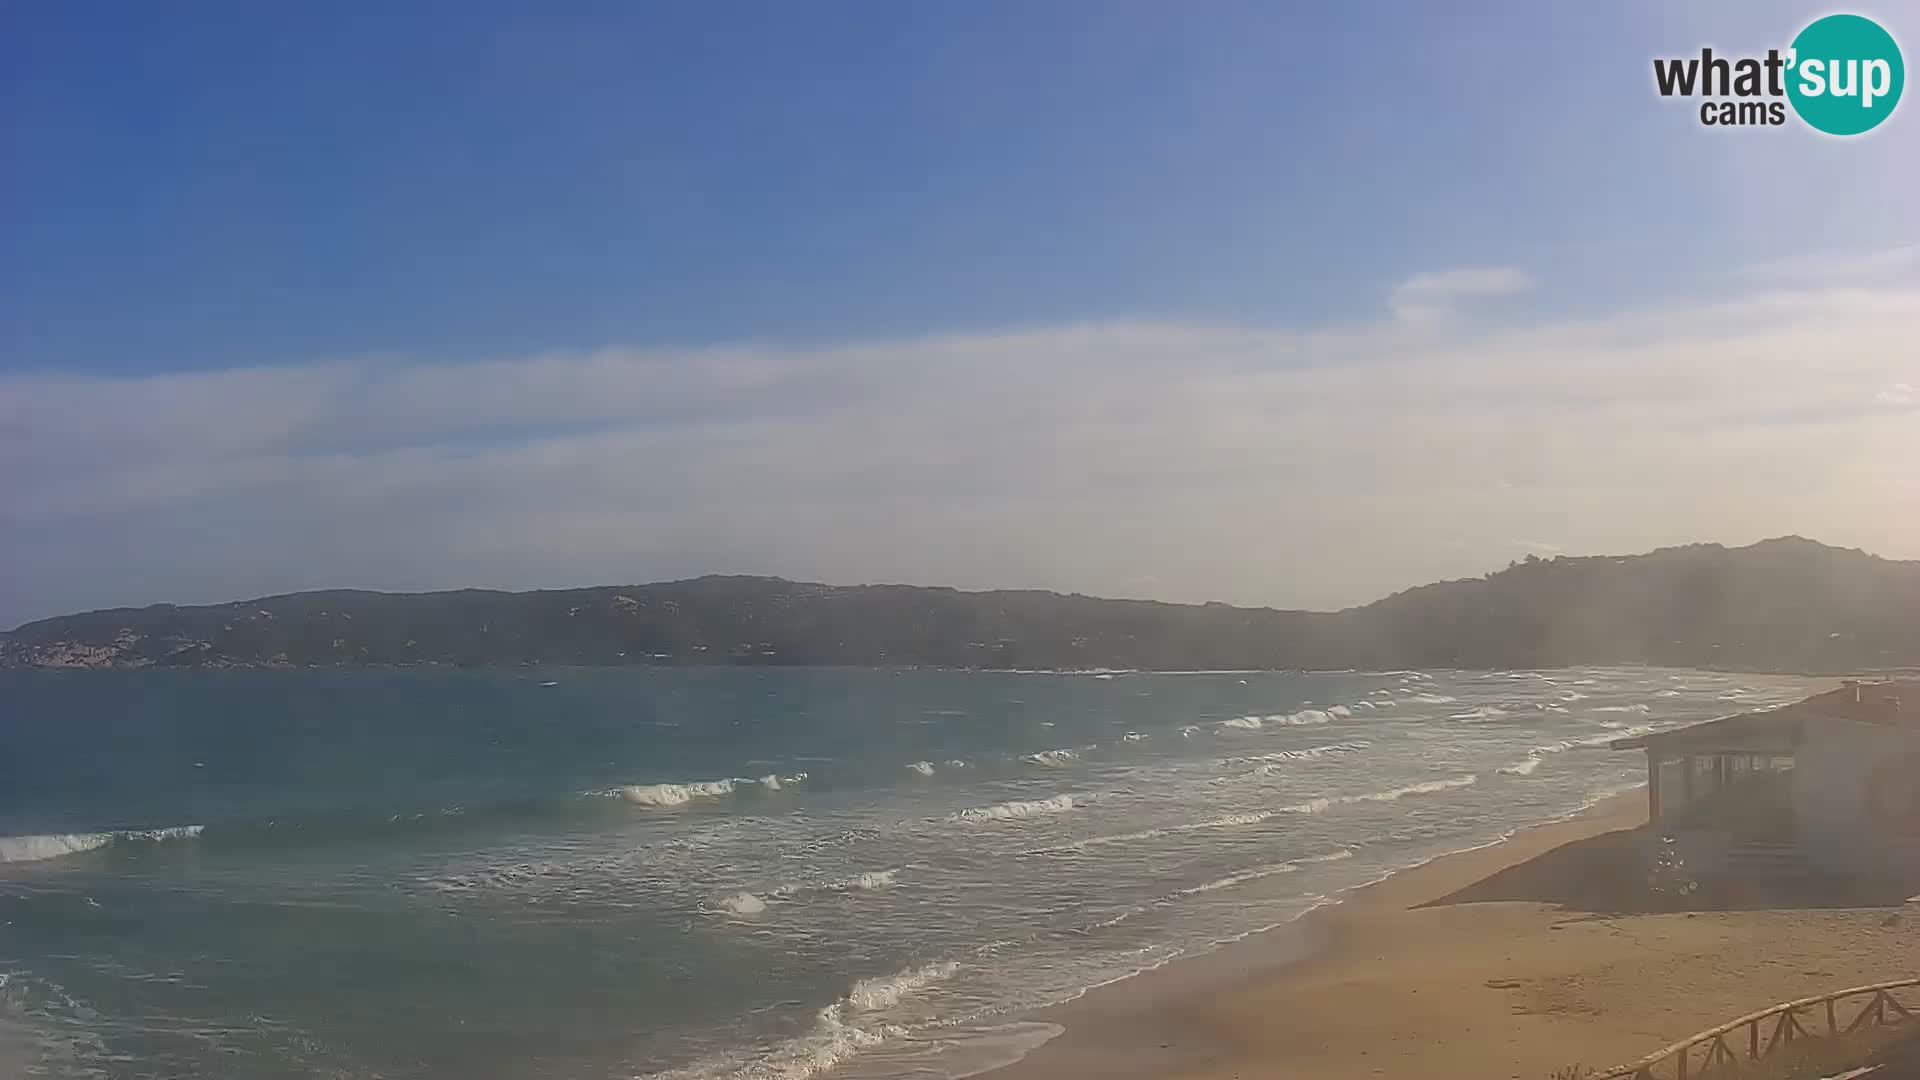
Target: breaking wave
(24, 849)
(924, 768)
(680, 794)
(675, 794)
(1523, 768)
(839, 1031)
(1052, 759)
(1302, 718)
(1016, 809)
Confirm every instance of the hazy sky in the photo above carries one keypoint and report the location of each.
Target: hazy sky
(1209, 301)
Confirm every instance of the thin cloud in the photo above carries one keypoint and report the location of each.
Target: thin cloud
(1835, 266)
(1175, 461)
(1434, 296)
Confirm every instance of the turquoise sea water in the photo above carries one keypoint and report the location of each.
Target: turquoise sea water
(764, 874)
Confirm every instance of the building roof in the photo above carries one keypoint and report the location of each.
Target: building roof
(1779, 731)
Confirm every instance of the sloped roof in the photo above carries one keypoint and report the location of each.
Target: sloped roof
(1779, 731)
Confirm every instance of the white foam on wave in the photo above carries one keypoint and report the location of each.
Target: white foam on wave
(866, 881)
(675, 794)
(1017, 809)
(1134, 736)
(840, 1031)
(174, 832)
(36, 848)
(1590, 741)
(924, 768)
(25, 849)
(1258, 872)
(1302, 718)
(1479, 715)
(871, 880)
(1052, 759)
(1269, 764)
(1189, 731)
(746, 902)
(1523, 768)
(1241, 878)
(1430, 787)
(1256, 817)
(1642, 709)
(1340, 711)
(1434, 699)
(875, 995)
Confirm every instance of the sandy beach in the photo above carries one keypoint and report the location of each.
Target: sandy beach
(1513, 960)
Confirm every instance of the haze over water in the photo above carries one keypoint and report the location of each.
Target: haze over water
(715, 873)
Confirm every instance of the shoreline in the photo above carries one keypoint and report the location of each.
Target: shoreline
(1512, 987)
(1155, 1023)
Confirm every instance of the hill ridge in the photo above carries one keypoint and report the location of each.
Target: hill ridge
(1787, 603)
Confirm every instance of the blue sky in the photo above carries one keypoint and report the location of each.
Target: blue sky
(283, 193)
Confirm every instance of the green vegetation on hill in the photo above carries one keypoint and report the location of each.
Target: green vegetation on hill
(1783, 605)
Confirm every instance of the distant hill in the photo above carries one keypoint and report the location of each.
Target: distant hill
(1780, 605)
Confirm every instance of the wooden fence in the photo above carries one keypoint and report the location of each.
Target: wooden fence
(1723, 1050)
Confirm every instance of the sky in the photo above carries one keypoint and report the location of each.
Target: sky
(1258, 303)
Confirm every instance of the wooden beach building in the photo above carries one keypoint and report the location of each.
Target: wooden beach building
(1829, 785)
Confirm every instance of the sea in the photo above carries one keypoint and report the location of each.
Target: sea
(717, 874)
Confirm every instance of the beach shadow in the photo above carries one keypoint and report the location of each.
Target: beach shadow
(1610, 874)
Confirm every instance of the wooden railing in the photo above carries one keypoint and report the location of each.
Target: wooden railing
(1710, 1053)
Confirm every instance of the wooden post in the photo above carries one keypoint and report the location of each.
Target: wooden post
(1753, 1039)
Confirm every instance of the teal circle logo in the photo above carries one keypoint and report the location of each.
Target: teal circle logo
(1844, 74)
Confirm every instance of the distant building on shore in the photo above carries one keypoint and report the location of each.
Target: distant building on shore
(1829, 785)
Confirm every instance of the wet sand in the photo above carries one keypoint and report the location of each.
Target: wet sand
(1513, 960)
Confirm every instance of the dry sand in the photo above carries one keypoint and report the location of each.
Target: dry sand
(1498, 962)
